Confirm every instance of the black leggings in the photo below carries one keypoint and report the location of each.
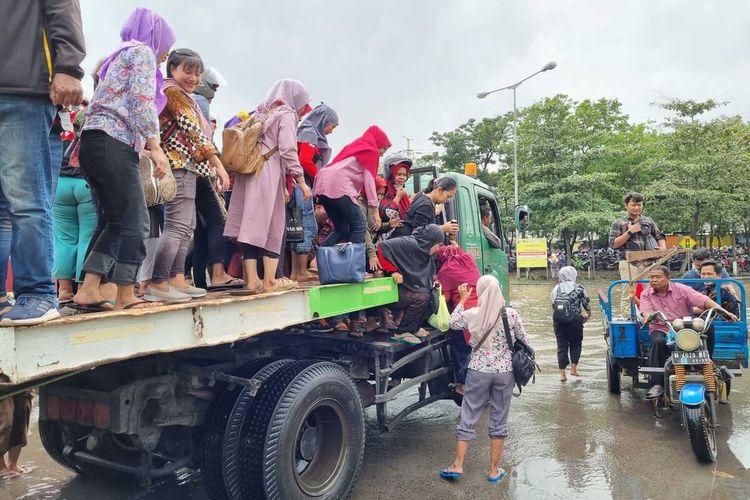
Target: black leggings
(209, 241)
(256, 253)
(569, 341)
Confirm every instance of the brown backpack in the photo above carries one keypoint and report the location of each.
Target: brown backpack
(241, 148)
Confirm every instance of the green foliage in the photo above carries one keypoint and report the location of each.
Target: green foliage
(576, 160)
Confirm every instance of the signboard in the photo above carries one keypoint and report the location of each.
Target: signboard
(531, 253)
(686, 242)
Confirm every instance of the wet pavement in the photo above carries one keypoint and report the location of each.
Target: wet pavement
(570, 440)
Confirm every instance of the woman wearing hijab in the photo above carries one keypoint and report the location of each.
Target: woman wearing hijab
(395, 204)
(257, 216)
(569, 295)
(409, 260)
(314, 154)
(338, 186)
(422, 210)
(490, 374)
(122, 116)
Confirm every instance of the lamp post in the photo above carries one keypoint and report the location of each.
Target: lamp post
(482, 95)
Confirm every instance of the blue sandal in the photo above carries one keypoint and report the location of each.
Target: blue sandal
(498, 478)
(449, 474)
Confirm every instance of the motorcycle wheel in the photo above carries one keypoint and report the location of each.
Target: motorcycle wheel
(702, 435)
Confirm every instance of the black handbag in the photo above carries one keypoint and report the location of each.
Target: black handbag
(295, 232)
(524, 366)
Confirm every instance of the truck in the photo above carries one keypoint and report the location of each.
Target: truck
(236, 386)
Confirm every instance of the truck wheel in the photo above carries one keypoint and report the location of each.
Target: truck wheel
(613, 375)
(215, 460)
(702, 435)
(305, 436)
(51, 435)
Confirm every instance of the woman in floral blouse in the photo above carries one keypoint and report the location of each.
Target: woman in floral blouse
(490, 373)
(121, 118)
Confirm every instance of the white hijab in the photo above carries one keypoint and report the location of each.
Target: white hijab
(567, 277)
(487, 315)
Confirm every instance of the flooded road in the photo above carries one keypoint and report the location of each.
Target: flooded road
(570, 440)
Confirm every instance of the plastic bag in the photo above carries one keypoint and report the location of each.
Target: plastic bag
(442, 318)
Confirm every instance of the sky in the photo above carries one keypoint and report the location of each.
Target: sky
(415, 66)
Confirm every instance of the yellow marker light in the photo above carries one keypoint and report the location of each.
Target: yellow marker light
(470, 169)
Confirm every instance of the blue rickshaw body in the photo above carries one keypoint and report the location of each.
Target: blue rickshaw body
(629, 341)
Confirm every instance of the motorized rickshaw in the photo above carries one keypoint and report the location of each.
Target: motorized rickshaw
(694, 381)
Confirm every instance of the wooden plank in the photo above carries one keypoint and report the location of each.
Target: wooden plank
(638, 255)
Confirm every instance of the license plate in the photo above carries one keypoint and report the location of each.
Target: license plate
(691, 358)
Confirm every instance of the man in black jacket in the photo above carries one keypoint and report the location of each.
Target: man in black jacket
(39, 70)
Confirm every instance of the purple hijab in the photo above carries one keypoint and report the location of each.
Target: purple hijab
(145, 27)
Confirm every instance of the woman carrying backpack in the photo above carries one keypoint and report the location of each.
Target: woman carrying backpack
(568, 300)
(490, 374)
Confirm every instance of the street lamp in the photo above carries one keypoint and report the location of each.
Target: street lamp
(550, 65)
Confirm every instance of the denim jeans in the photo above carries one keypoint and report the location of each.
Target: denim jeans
(111, 167)
(74, 218)
(348, 223)
(30, 159)
(309, 224)
(179, 224)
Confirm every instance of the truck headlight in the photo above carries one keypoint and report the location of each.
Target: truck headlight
(687, 340)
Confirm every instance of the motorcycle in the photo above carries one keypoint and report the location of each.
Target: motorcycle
(695, 382)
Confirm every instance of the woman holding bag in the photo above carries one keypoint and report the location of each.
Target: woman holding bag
(490, 375)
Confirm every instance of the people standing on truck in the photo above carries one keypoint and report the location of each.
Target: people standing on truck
(456, 267)
(409, 260)
(490, 374)
(427, 204)
(209, 243)
(700, 255)
(571, 308)
(396, 202)
(41, 68)
(314, 153)
(186, 138)
(634, 232)
(257, 214)
(73, 217)
(338, 186)
(122, 116)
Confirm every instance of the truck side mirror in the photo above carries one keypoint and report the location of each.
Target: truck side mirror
(522, 218)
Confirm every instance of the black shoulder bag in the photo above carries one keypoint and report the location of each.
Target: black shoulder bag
(522, 355)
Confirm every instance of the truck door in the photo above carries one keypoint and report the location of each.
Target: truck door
(494, 260)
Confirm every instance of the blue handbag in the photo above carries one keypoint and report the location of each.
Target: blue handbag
(342, 263)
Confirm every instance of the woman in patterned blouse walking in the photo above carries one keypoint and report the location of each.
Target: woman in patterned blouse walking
(490, 374)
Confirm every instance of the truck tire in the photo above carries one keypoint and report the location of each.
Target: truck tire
(702, 435)
(51, 435)
(305, 436)
(613, 375)
(214, 458)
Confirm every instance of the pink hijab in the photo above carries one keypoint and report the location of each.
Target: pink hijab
(290, 92)
(486, 316)
(366, 149)
(144, 27)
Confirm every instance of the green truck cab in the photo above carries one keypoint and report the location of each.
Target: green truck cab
(466, 207)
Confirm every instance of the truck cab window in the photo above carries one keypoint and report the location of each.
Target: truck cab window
(491, 227)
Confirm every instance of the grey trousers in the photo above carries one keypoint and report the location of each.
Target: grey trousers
(482, 387)
(179, 224)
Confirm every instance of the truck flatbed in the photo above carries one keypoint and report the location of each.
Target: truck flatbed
(31, 355)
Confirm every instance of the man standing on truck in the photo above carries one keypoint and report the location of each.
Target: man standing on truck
(41, 68)
(634, 232)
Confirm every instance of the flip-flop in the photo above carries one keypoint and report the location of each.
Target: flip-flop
(406, 338)
(449, 474)
(498, 478)
(232, 284)
(92, 307)
(244, 292)
(134, 305)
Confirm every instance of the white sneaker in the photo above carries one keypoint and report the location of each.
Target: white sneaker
(171, 296)
(193, 291)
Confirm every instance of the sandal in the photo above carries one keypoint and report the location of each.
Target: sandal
(282, 285)
(244, 292)
(134, 305)
(229, 285)
(341, 327)
(406, 338)
(422, 333)
(92, 307)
